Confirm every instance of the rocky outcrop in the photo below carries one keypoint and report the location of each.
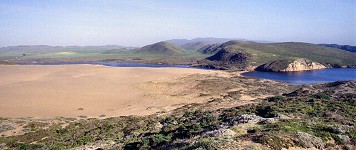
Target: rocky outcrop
(303, 64)
(289, 66)
(309, 141)
(221, 133)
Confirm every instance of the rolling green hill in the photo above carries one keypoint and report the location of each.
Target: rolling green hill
(266, 52)
(161, 48)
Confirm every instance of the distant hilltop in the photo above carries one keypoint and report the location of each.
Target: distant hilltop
(211, 40)
(161, 48)
(343, 47)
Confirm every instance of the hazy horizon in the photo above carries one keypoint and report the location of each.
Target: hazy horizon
(138, 23)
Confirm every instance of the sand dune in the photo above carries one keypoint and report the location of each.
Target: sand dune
(88, 90)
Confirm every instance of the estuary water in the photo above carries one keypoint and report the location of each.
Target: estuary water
(307, 77)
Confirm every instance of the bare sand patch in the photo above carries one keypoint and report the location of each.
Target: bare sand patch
(91, 90)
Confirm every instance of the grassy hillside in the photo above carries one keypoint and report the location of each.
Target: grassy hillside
(163, 48)
(214, 48)
(165, 52)
(196, 45)
(266, 52)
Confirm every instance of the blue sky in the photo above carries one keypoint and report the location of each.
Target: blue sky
(141, 22)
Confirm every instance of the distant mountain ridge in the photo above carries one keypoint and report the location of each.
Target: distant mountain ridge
(196, 45)
(202, 43)
(342, 47)
(210, 40)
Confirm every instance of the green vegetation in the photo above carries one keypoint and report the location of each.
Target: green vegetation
(162, 52)
(165, 52)
(263, 53)
(162, 48)
(325, 118)
(34, 126)
(321, 96)
(240, 55)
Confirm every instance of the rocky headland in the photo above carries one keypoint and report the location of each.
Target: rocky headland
(290, 66)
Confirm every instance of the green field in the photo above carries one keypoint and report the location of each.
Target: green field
(92, 54)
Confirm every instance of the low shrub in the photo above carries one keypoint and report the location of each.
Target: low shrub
(321, 96)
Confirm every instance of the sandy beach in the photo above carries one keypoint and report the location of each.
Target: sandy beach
(91, 90)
